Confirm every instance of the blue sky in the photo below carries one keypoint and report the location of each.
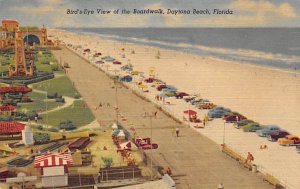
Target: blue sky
(247, 13)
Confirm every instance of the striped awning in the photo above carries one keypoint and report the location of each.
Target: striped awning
(53, 159)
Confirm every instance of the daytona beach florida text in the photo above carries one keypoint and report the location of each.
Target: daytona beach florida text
(150, 11)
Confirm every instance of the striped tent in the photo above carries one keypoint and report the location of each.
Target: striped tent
(53, 159)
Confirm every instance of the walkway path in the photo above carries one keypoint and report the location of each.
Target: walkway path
(195, 160)
(68, 102)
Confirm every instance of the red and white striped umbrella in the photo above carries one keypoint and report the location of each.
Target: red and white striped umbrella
(53, 159)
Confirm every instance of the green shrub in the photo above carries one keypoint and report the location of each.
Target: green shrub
(69, 125)
(107, 161)
(41, 138)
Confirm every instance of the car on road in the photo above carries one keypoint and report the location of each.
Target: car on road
(234, 118)
(252, 127)
(289, 140)
(242, 123)
(268, 130)
(274, 136)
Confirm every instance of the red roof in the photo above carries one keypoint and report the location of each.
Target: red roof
(53, 159)
(9, 89)
(7, 107)
(11, 127)
(9, 21)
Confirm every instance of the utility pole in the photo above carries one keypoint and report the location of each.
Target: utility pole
(151, 163)
(117, 106)
(224, 133)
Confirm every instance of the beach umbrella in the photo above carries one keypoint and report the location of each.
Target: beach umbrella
(190, 112)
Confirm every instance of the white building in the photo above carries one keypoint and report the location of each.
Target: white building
(27, 136)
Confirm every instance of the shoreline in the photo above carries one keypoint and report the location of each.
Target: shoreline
(184, 51)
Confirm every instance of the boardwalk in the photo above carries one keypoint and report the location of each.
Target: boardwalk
(196, 161)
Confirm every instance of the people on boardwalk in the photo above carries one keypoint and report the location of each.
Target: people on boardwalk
(177, 131)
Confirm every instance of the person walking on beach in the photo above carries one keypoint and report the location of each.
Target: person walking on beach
(155, 113)
(177, 131)
(250, 158)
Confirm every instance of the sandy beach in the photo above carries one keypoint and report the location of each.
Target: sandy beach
(266, 95)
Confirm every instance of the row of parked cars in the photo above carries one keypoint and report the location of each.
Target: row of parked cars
(271, 132)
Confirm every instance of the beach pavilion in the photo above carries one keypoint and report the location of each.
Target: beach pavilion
(11, 128)
(54, 168)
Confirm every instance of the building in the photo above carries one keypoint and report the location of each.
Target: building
(7, 110)
(54, 168)
(30, 35)
(27, 136)
(11, 128)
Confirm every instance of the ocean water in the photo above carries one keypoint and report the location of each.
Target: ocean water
(279, 47)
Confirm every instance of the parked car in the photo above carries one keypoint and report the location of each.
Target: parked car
(181, 94)
(117, 62)
(268, 130)
(252, 127)
(108, 59)
(169, 88)
(99, 62)
(160, 87)
(206, 105)
(274, 136)
(200, 101)
(86, 50)
(169, 93)
(189, 98)
(242, 123)
(234, 118)
(289, 140)
(126, 78)
(149, 80)
(126, 67)
(218, 112)
(135, 72)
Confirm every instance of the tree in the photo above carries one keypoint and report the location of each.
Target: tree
(107, 161)
(41, 138)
